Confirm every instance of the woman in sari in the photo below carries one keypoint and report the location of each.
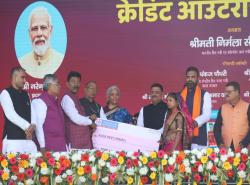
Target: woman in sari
(178, 126)
(112, 110)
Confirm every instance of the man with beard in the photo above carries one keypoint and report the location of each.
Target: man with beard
(18, 127)
(42, 59)
(153, 115)
(78, 127)
(233, 121)
(199, 105)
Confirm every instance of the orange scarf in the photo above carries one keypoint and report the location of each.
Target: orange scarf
(196, 104)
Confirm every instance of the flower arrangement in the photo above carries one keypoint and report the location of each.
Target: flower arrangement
(132, 168)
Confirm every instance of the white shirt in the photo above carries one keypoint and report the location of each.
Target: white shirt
(21, 146)
(10, 112)
(102, 114)
(206, 110)
(140, 120)
(40, 111)
(70, 110)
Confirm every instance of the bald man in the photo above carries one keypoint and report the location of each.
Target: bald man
(42, 59)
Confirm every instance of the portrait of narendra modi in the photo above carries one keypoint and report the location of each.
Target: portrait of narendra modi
(43, 58)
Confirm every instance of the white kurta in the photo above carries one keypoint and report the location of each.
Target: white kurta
(22, 146)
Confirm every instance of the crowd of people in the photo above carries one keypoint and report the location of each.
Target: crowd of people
(50, 123)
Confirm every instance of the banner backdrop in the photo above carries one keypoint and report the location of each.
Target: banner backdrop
(129, 43)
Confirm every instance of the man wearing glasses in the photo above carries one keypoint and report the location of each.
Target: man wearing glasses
(50, 130)
(232, 125)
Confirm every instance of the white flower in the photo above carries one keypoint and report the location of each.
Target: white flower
(20, 183)
(83, 163)
(92, 158)
(216, 160)
(140, 164)
(93, 170)
(209, 165)
(200, 169)
(32, 162)
(76, 157)
(194, 151)
(188, 170)
(38, 154)
(204, 151)
(101, 163)
(223, 158)
(165, 156)
(113, 153)
(13, 177)
(186, 162)
(64, 175)
(146, 154)
(130, 154)
(216, 150)
(169, 177)
(199, 154)
(21, 170)
(29, 182)
(244, 151)
(238, 155)
(69, 172)
(187, 152)
(192, 161)
(242, 174)
(153, 169)
(214, 178)
(7, 170)
(231, 154)
(44, 171)
(105, 180)
(171, 161)
(130, 171)
(82, 179)
(143, 171)
(113, 169)
(176, 152)
(58, 179)
(56, 155)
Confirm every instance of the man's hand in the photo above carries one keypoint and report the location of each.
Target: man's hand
(93, 117)
(93, 126)
(196, 124)
(29, 131)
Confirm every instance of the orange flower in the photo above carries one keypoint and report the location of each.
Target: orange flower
(66, 162)
(182, 155)
(93, 177)
(23, 164)
(167, 183)
(182, 168)
(44, 180)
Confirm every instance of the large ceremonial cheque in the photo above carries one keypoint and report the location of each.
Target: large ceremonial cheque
(112, 135)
